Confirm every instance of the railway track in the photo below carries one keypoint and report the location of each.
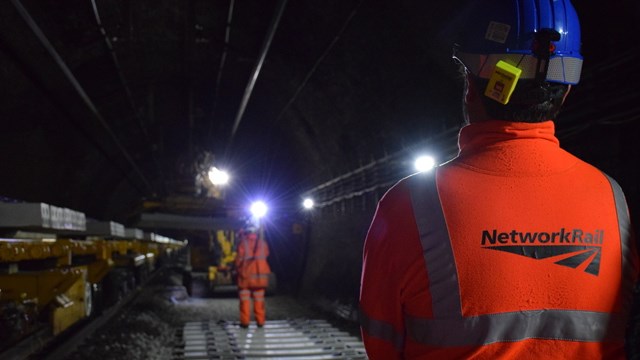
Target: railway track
(281, 339)
(42, 344)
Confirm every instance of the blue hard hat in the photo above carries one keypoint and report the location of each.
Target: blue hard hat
(522, 33)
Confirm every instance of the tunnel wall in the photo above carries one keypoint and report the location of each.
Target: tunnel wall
(336, 235)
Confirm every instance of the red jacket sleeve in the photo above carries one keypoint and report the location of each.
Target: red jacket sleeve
(393, 272)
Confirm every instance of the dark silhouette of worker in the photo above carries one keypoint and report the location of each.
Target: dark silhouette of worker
(515, 249)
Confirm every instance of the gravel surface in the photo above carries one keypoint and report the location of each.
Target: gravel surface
(147, 330)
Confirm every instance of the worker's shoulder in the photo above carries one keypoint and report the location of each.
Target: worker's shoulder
(591, 171)
(400, 192)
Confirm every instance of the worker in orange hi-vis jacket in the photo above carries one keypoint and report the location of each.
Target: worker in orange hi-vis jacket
(515, 249)
(253, 275)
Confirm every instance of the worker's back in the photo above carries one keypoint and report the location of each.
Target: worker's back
(523, 251)
(515, 249)
(251, 261)
(536, 239)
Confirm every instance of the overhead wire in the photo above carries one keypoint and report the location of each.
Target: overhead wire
(78, 88)
(256, 70)
(123, 81)
(318, 61)
(223, 60)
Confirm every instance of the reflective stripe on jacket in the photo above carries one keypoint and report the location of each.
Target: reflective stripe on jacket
(518, 250)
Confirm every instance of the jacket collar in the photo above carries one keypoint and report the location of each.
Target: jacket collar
(512, 148)
(492, 132)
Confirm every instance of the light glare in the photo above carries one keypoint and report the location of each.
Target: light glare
(259, 209)
(425, 163)
(307, 203)
(218, 177)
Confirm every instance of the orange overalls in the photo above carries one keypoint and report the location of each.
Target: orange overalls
(516, 249)
(253, 277)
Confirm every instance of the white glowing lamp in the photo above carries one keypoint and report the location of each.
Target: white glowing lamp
(259, 209)
(425, 163)
(308, 203)
(218, 177)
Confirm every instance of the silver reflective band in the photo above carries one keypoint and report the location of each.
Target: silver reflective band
(517, 326)
(381, 330)
(624, 224)
(436, 245)
(562, 69)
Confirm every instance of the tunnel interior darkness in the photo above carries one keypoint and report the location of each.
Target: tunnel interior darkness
(110, 104)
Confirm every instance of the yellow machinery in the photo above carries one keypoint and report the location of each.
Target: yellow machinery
(52, 281)
(57, 267)
(61, 292)
(40, 276)
(222, 272)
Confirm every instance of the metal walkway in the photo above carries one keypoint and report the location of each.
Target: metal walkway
(278, 339)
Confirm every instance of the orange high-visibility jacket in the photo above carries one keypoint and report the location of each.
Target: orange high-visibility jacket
(251, 262)
(516, 249)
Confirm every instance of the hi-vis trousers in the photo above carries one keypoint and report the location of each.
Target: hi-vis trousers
(258, 305)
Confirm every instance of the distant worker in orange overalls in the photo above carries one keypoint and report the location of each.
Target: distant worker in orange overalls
(253, 275)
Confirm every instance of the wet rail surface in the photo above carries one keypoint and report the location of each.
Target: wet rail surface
(300, 339)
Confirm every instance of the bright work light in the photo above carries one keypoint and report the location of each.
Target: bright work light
(217, 176)
(258, 209)
(308, 203)
(425, 163)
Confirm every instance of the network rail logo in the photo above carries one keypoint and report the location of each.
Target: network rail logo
(574, 248)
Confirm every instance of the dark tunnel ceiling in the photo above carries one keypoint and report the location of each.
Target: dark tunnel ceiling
(343, 83)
